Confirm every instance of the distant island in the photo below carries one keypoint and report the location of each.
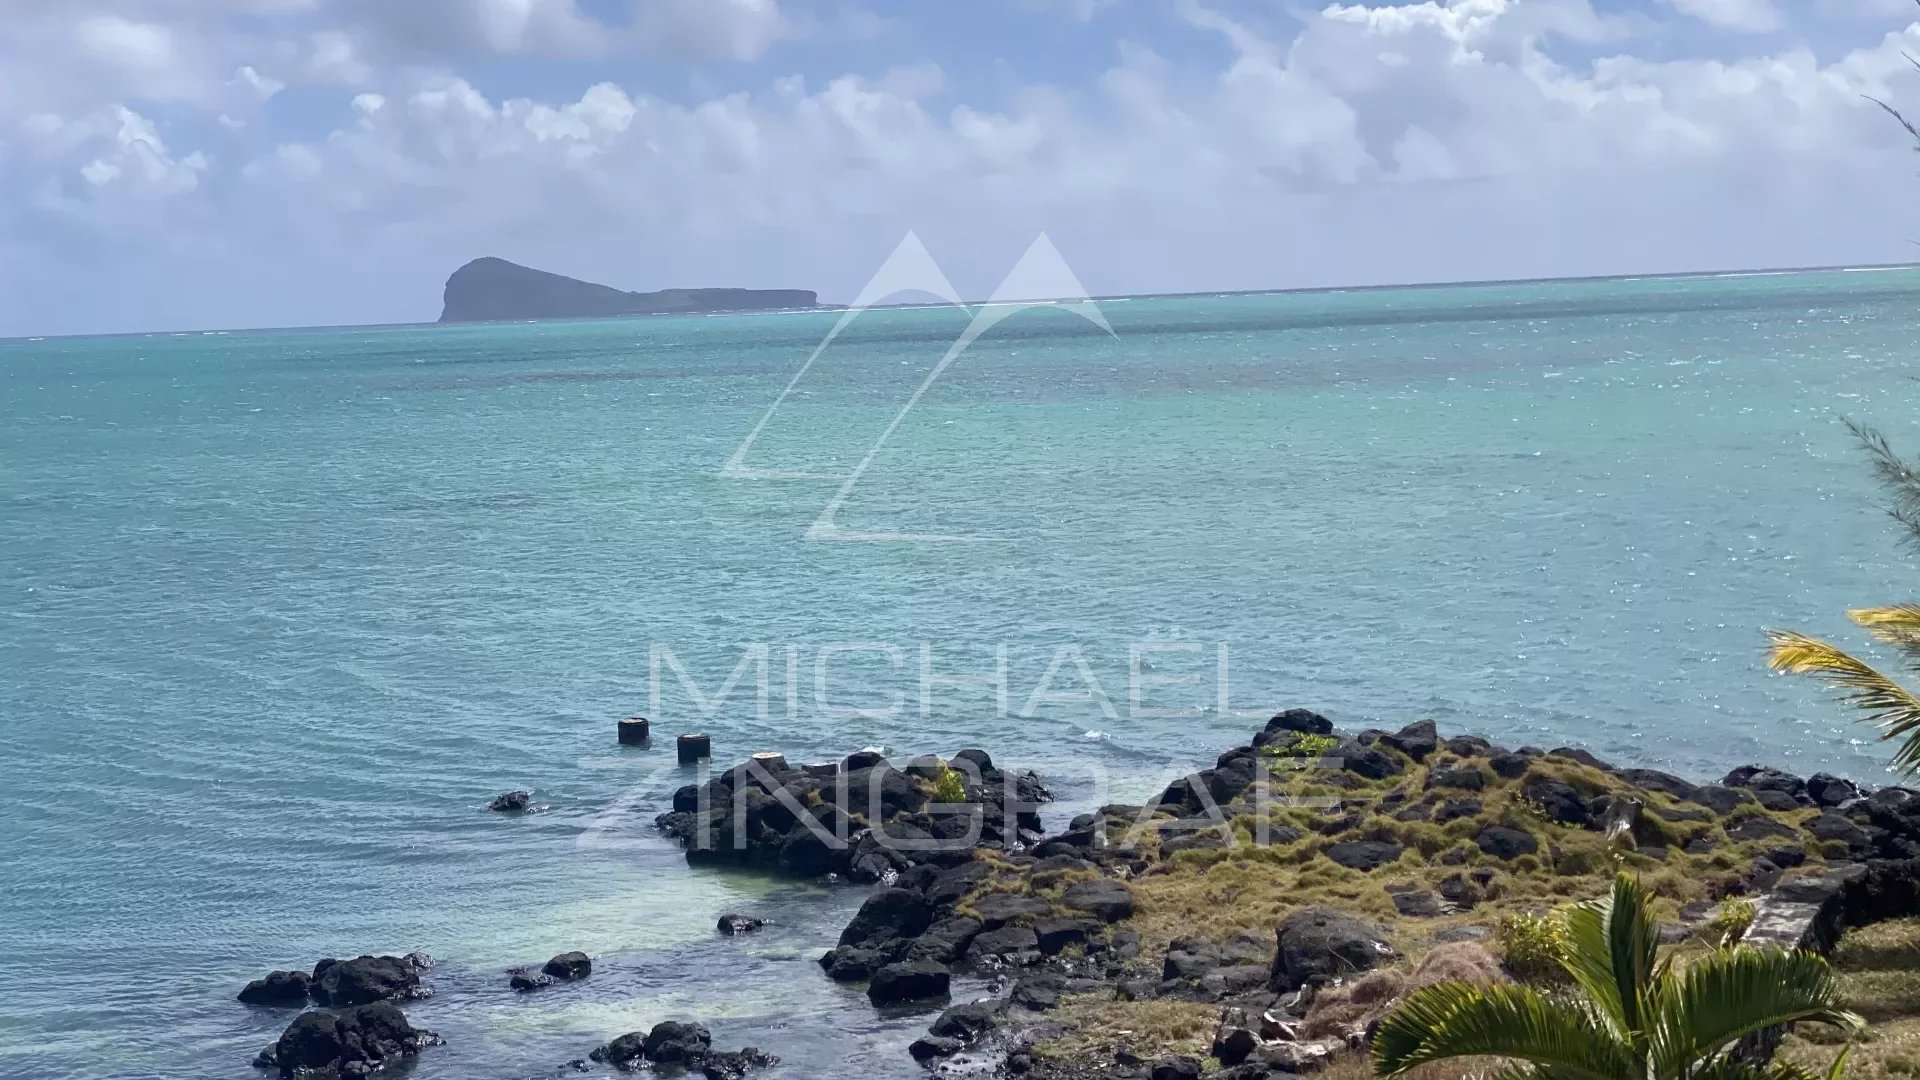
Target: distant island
(493, 290)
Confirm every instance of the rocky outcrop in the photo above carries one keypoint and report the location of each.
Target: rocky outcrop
(1437, 825)
(861, 819)
(345, 1045)
(367, 979)
(679, 1045)
(492, 289)
(1320, 944)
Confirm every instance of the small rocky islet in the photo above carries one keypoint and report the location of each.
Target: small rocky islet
(1254, 919)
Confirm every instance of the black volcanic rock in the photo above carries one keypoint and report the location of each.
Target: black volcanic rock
(494, 289)
(279, 988)
(357, 1042)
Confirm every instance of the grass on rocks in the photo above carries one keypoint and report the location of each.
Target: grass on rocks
(1680, 850)
(1214, 893)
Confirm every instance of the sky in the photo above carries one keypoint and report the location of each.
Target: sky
(176, 164)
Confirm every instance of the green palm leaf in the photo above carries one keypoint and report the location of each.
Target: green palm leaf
(1615, 946)
(1455, 1020)
(1724, 1068)
(1737, 992)
(1900, 480)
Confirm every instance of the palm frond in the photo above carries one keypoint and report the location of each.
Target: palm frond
(1899, 479)
(1454, 1020)
(1885, 702)
(1615, 946)
(1896, 114)
(1727, 1068)
(1530, 1072)
(1897, 625)
(1725, 997)
(1839, 1067)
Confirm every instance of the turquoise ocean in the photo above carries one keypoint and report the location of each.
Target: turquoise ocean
(281, 611)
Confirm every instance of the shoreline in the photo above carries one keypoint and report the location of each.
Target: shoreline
(1411, 839)
(1137, 935)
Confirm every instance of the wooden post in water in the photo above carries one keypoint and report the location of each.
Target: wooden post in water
(635, 731)
(772, 761)
(694, 748)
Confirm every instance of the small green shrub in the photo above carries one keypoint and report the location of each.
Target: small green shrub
(948, 787)
(1302, 745)
(1533, 947)
(1729, 923)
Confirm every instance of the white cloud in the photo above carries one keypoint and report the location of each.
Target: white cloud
(726, 29)
(1373, 142)
(115, 148)
(121, 41)
(1750, 16)
(1078, 10)
(449, 29)
(262, 86)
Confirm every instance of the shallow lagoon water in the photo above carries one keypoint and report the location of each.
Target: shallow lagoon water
(280, 612)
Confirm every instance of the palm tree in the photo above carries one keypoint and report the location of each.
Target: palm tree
(1634, 1017)
(1887, 703)
(1884, 700)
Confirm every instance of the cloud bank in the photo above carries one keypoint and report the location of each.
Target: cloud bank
(273, 162)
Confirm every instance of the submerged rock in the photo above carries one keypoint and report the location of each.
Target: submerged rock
(512, 802)
(524, 981)
(733, 1065)
(931, 1047)
(731, 925)
(851, 963)
(625, 1052)
(569, 966)
(674, 1042)
(279, 988)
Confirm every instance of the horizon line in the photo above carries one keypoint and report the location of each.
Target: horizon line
(828, 308)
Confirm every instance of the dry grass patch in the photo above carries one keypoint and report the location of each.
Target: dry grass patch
(1096, 1027)
(1354, 1006)
(1879, 968)
(1353, 1066)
